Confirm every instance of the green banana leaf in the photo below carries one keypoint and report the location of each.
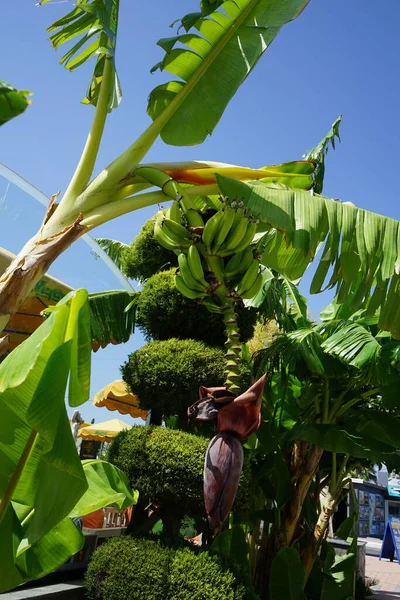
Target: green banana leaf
(112, 317)
(219, 51)
(95, 23)
(361, 251)
(339, 583)
(41, 476)
(114, 250)
(12, 102)
(319, 152)
(287, 576)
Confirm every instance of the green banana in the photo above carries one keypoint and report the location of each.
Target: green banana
(235, 236)
(194, 218)
(211, 228)
(195, 266)
(185, 290)
(174, 212)
(248, 237)
(249, 277)
(178, 229)
(225, 226)
(161, 237)
(254, 289)
(239, 263)
(187, 276)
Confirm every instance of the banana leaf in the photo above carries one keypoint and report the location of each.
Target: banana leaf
(12, 102)
(95, 23)
(319, 152)
(112, 317)
(41, 476)
(361, 249)
(114, 249)
(212, 59)
(287, 576)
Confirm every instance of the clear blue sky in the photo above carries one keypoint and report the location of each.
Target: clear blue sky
(338, 57)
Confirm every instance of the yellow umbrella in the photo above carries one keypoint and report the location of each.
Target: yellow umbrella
(115, 397)
(103, 432)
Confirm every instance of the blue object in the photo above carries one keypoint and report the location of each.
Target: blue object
(394, 487)
(391, 540)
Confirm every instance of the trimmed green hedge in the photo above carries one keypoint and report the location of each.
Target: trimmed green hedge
(167, 465)
(144, 569)
(145, 256)
(166, 375)
(163, 312)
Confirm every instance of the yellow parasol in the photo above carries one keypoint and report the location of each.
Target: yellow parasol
(48, 291)
(103, 432)
(116, 397)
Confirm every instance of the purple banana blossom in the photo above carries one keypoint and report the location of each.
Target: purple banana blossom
(222, 468)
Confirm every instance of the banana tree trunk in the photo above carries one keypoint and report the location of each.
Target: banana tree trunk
(319, 534)
(30, 265)
(308, 463)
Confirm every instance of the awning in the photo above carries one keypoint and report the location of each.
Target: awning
(103, 432)
(116, 397)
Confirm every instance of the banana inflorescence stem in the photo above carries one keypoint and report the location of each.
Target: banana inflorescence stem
(233, 347)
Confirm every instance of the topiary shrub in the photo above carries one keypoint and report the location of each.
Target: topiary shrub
(144, 569)
(163, 312)
(145, 256)
(165, 464)
(166, 375)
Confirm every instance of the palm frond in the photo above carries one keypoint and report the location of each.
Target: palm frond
(361, 249)
(114, 250)
(94, 22)
(13, 102)
(112, 317)
(212, 58)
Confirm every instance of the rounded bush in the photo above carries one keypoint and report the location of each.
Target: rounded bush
(163, 312)
(145, 569)
(145, 256)
(166, 375)
(164, 464)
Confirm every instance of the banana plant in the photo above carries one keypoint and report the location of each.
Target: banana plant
(331, 406)
(183, 112)
(43, 483)
(13, 102)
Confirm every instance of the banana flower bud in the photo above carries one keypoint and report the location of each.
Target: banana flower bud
(222, 468)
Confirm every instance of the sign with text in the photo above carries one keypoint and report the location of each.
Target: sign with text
(391, 540)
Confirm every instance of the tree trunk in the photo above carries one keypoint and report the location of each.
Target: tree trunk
(30, 266)
(311, 549)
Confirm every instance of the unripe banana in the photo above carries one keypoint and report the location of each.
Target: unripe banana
(185, 290)
(187, 276)
(177, 228)
(211, 228)
(239, 263)
(254, 289)
(161, 237)
(171, 233)
(194, 218)
(195, 266)
(225, 226)
(174, 212)
(249, 277)
(235, 237)
(248, 237)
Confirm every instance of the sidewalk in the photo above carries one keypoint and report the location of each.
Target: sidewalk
(388, 575)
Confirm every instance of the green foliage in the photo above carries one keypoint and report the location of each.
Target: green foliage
(166, 375)
(144, 568)
(319, 152)
(12, 101)
(163, 312)
(287, 576)
(112, 317)
(360, 254)
(167, 465)
(42, 480)
(145, 257)
(164, 464)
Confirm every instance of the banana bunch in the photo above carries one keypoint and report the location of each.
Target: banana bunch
(228, 231)
(168, 230)
(190, 279)
(251, 282)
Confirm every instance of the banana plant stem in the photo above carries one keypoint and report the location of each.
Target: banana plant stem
(89, 155)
